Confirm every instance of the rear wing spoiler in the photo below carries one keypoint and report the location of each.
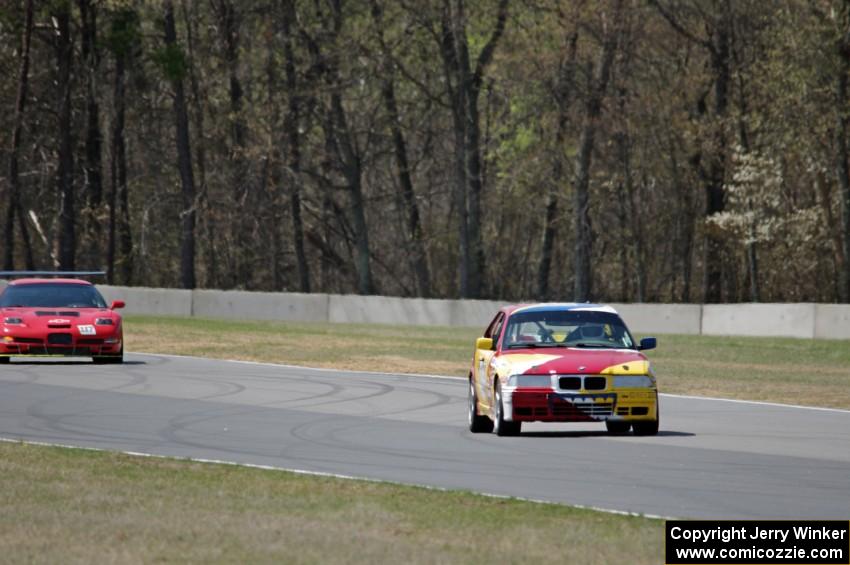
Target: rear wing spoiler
(17, 274)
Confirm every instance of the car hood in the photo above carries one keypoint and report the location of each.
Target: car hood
(572, 361)
(47, 317)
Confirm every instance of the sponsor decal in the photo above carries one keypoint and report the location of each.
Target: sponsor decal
(58, 321)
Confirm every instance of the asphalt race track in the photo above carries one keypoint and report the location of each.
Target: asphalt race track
(712, 458)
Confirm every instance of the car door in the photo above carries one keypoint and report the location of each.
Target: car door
(483, 365)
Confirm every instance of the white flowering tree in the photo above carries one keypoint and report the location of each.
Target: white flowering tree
(759, 215)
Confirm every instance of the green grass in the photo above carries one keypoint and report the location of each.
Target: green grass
(75, 506)
(796, 371)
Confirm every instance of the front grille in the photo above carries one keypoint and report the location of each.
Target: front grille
(574, 382)
(81, 351)
(566, 407)
(594, 383)
(58, 314)
(59, 326)
(592, 409)
(640, 411)
(59, 339)
(89, 341)
(569, 383)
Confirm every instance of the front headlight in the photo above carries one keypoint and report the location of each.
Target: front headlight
(633, 381)
(104, 322)
(16, 321)
(536, 381)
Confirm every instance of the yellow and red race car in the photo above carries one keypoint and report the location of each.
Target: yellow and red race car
(561, 363)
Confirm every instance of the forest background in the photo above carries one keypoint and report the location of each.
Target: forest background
(612, 150)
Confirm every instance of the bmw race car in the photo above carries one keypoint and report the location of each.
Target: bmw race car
(561, 363)
(45, 317)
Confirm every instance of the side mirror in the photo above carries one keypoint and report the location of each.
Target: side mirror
(484, 343)
(117, 304)
(647, 343)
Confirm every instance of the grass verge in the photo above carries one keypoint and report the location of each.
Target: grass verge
(76, 506)
(794, 371)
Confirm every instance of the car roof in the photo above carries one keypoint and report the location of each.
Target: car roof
(560, 307)
(49, 281)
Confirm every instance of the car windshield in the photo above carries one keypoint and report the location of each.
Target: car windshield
(566, 328)
(51, 295)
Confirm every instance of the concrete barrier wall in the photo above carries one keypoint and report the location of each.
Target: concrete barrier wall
(832, 321)
(661, 318)
(777, 320)
(354, 309)
(152, 301)
(821, 321)
(472, 313)
(235, 304)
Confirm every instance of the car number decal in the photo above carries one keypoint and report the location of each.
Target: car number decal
(87, 330)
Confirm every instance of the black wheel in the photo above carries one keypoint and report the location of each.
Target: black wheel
(500, 426)
(649, 427)
(617, 428)
(478, 424)
(109, 359)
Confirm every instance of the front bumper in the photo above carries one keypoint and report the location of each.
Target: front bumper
(75, 346)
(548, 405)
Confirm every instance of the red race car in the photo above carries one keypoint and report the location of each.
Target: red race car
(47, 317)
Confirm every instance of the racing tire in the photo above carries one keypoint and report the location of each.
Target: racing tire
(478, 424)
(502, 427)
(617, 428)
(649, 427)
(5, 360)
(109, 359)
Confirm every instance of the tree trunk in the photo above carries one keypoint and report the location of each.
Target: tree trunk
(184, 161)
(119, 254)
(563, 95)
(753, 266)
(293, 146)
(207, 228)
(476, 188)
(93, 167)
(718, 46)
(459, 196)
(13, 202)
(464, 86)
(241, 251)
(715, 193)
(118, 173)
(583, 285)
(841, 131)
(67, 236)
(418, 256)
(353, 171)
(459, 187)
(632, 213)
(93, 174)
(835, 235)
